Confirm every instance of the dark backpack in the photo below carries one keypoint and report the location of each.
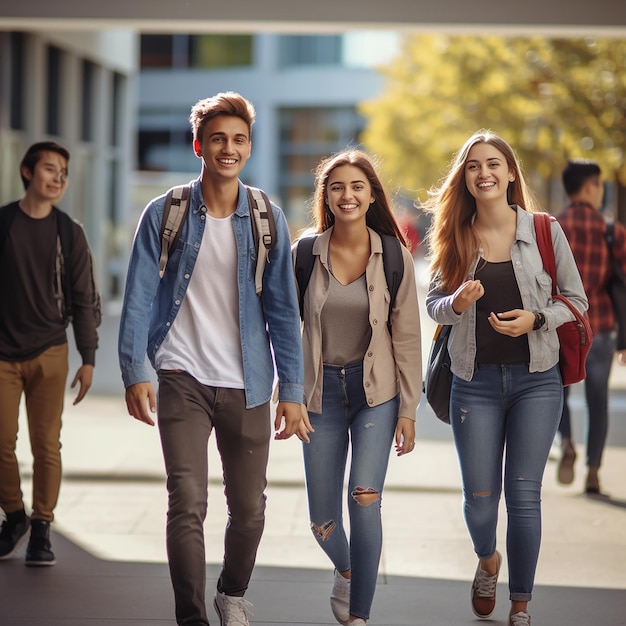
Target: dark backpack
(261, 219)
(616, 288)
(65, 241)
(393, 264)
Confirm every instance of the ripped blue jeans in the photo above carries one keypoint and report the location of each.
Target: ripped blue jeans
(346, 418)
(506, 415)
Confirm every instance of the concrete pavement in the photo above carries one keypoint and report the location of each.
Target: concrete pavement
(110, 545)
(109, 532)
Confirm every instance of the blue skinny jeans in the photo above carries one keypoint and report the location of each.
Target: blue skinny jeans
(347, 418)
(598, 368)
(506, 415)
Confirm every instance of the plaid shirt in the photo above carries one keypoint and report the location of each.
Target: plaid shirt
(584, 228)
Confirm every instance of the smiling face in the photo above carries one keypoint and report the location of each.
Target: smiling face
(348, 193)
(487, 173)
(224, 148)
(48, 180)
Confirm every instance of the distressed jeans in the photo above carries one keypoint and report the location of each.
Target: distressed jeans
(506, 415)
(346, 418)
(187, 413)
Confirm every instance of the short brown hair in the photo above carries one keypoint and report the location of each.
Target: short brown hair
(225, 103)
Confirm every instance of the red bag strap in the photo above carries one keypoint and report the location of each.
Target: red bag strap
(544, 243)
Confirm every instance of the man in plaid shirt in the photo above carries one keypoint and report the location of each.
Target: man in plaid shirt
(585, 229)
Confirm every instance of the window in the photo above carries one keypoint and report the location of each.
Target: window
(297, 50)
(117, 108)
(53, 109)
(87, 104)
(156, 51)
(17, 82)
(214, 51)
(166, 150)
(196, 51)
(307, 135)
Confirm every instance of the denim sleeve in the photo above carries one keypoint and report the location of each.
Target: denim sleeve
(280, 305)
(142, 282)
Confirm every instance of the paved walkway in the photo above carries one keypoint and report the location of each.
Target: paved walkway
(109, 537)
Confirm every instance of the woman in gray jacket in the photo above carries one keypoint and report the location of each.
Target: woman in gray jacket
(488, 282)
(362, 378)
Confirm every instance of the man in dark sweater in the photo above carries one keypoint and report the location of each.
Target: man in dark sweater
(37, 278)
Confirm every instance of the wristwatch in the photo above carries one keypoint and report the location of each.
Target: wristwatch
(540, 320)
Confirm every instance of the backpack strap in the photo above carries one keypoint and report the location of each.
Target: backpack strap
(609, 236)
(263, 231)
(543, 233)
(65, 242)
(393, 264)
(305, 259)
(174, 212)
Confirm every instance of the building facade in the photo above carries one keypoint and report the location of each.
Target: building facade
(77, 89)
(305, 88)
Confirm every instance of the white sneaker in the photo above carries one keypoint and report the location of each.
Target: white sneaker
(340, 598)
(232, 610)
(519, 619)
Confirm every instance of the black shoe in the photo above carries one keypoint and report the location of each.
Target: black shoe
(14, 533)
(38, 552)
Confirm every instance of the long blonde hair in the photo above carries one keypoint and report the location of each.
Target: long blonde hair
(452, 243)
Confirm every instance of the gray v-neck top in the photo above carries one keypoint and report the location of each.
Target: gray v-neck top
(346, 331)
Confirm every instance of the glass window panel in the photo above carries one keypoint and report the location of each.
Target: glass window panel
(87, 104)
(220, 51)
(156, 51)
(310, 50)
(17, 81)
(53, 108)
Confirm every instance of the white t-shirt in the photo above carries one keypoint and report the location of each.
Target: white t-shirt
(204, 339)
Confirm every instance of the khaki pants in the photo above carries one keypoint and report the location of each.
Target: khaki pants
(42, 381)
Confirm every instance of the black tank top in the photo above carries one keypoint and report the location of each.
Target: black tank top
(501, 294)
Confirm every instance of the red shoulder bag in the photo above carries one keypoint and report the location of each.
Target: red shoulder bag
(575, 337)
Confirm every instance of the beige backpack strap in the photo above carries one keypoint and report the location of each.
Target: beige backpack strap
(175, 209)
(263, 231)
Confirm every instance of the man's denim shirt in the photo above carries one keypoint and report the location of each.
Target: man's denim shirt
(535, 287)
(151, 304)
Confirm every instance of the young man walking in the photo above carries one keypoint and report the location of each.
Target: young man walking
(207, 334)
(33, 341)
(585, 228)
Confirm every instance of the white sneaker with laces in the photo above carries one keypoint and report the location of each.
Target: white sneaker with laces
(519, 619)
(232, 610)
(340, 598)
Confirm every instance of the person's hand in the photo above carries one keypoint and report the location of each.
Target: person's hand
(304, 428)
(514, 323)
(621, 357)
(405, 436)
(289, 421)
(466, 295)
(138, 397)
(84, 376)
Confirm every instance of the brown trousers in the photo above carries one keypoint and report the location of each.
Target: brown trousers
(42, 381)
